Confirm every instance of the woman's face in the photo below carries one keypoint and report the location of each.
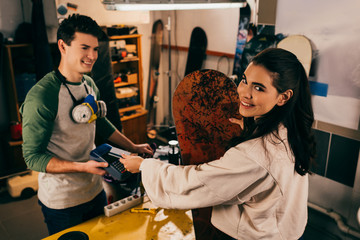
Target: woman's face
(257, 93)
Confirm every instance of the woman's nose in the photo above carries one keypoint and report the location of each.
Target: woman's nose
(244, 91)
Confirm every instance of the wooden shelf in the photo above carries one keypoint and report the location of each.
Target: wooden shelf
(120, 37)
(134, 124)
(128, 109)
(15, 143)
(134, 59)
(123, 84)
(139, 112)
(208, 52)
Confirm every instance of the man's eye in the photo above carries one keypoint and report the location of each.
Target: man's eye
(257, 88)
(243, 80)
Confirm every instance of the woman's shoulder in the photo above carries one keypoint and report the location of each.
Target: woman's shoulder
(261, 148)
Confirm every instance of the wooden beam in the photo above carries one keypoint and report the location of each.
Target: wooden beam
(208, 52)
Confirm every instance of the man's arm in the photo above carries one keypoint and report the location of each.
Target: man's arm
(120, 139)
(56, 165)
(105, 128)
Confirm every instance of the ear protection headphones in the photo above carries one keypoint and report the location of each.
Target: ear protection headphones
(85, 110)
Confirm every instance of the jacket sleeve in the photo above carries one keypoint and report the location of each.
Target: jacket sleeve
(234, 178)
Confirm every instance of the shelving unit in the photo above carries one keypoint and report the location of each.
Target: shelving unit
(18, 76)
(128, 83)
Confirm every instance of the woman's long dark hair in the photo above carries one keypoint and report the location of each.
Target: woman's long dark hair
(296, 115)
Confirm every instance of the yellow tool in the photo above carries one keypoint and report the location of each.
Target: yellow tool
(143, 210)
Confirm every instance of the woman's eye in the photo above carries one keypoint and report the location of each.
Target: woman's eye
(257, 88)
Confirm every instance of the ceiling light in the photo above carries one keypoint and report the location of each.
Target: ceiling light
(135, 6)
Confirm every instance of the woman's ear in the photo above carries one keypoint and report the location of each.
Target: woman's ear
(285, 97)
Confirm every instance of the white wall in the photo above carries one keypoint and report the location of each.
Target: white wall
(332, 27)
(220, 27)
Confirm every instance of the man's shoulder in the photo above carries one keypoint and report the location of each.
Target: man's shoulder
(91, 83)
(45, 88)
(89, 80)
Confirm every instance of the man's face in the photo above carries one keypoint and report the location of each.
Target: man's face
(82, 53)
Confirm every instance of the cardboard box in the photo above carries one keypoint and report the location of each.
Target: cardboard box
(132, 78)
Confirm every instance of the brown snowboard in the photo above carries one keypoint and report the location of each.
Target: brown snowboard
(203, 102)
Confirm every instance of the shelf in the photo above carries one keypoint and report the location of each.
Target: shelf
(123, 84)
(15, 143)
(124, 37)
(128, 109)
(15, 174)
(208, 52)
(125, 95)
(133, 59)
(139, 112)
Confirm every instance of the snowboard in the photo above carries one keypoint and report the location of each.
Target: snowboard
(254, 46)
(155, 52)
(242, 34)
(301, 46)
(197, 50)
(203, 102)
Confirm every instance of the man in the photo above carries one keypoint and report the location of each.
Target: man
(57, 142)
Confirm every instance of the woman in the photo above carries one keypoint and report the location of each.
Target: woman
(259, 188)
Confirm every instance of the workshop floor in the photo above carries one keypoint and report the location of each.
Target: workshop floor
(22, 219)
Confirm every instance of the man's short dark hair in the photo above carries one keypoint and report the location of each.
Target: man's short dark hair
(77, 23)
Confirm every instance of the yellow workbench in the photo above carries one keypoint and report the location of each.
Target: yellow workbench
(165, 224)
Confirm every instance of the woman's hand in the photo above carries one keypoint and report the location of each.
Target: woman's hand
(131, 163)
(237, 121)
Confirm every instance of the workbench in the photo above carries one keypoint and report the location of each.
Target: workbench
(164, 224)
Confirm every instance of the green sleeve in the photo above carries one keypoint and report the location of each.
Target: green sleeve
(38, 112)
(104, 127)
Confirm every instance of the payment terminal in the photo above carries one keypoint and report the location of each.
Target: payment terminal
(111, 155)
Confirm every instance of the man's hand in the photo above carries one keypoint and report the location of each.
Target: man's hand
(131, 163)
(121, 140)
(95, 167)
(144, 149)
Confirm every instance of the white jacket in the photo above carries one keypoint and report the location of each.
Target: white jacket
(254, 189)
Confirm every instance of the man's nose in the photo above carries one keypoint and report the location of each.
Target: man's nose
(92, 55)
